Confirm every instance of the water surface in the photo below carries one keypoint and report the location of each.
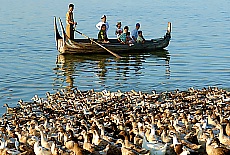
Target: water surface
(198, 54)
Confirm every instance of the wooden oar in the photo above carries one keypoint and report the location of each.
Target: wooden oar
(116, 55)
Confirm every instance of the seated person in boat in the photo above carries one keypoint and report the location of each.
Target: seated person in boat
(135, 32)
(140, 38)
(103, 21)
(119, 30)
(122, 37)
(102, 36)
(129, 40)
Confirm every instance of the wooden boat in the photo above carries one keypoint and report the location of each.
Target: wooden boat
(84, 46)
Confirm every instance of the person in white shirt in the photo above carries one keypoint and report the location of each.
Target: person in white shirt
(134, 33)
(103, 21)
(119, 30)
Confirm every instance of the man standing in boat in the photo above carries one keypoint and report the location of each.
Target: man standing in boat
(70, 22)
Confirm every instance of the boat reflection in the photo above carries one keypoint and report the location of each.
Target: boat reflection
(78, 70)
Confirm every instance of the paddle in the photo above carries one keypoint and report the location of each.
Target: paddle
(116, 55)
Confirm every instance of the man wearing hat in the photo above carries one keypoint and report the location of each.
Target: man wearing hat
(135, 32)
(103, 21)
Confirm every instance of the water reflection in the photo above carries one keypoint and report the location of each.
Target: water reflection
(100, 71)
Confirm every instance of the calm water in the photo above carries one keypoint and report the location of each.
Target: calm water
(198, 55)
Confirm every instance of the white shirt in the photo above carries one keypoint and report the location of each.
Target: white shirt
(98, 26)
(118, 32)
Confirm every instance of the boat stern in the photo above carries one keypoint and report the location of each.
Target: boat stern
(169, 30)
(59, 40)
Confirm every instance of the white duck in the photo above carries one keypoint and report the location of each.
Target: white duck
(185, 151)
(155, 148)
(3, 143)
(69, 126)
(178, 147)
(200, 135)
(39, 150)
(54, 149)
(21, 138)
(152, 136)
(96, 138)
(44, 142)
(164, 137)
(69, 144)
(16, 143)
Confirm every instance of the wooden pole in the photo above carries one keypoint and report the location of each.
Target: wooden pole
(116, 55)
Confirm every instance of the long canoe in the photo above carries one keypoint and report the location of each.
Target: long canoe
(83, 46)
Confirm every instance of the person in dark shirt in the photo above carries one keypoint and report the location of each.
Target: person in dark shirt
(122, 37)
(102, 36)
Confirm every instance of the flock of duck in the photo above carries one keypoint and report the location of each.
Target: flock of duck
(76, 122)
